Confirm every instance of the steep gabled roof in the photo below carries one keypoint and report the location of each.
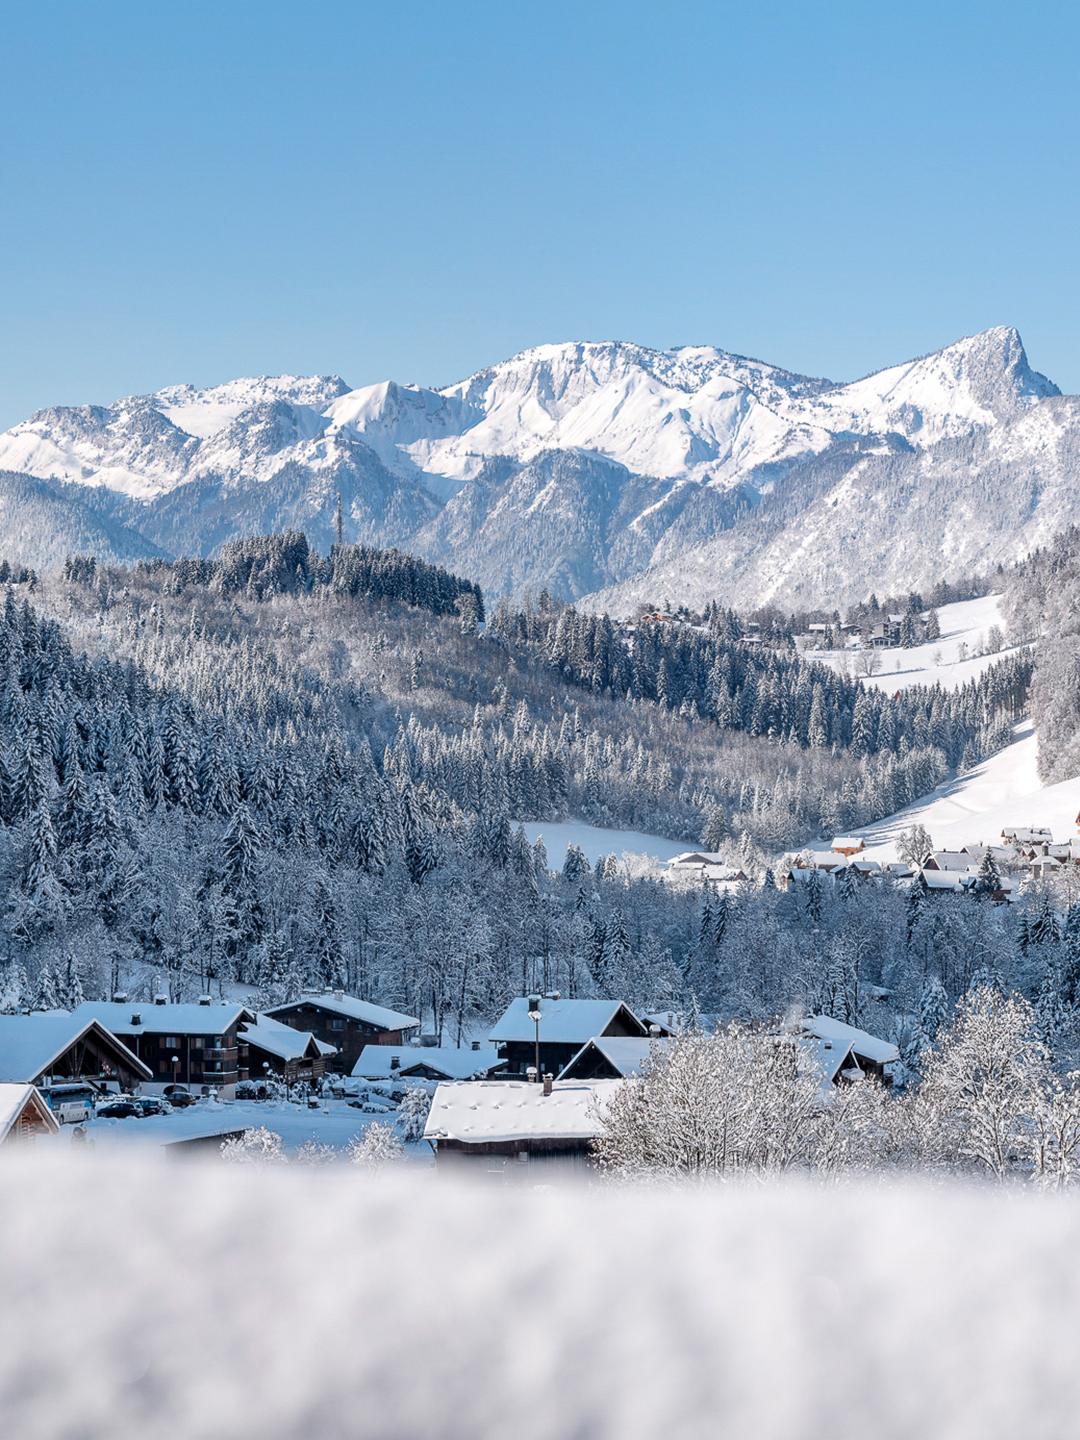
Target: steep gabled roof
(281, 1040)
(626, 1054)
(562, 1022)
(30, 1043)
(376, 1062)
(862, 1044)
(14, 1099)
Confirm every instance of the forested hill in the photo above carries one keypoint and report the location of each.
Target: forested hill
(281, 767)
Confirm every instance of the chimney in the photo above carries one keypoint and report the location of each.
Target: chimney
(395, 1062)
(548, 1082)
(532, 1074)
(476, 1045)
(205, 1000)
(339, 994)
(120, 997)
(136, 1018)
(161, 999)
(654, 1032)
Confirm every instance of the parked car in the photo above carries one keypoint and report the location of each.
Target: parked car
(119, 1110)
(151, 1105)
(178, 1097)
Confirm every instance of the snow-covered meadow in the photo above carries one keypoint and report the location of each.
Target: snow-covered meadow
(595, 841)
(204, 1300)
(957, 656)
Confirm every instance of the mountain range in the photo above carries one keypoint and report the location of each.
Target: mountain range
(608, 473)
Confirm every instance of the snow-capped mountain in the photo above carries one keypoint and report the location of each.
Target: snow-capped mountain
(601, 470)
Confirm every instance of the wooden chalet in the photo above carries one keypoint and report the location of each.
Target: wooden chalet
(296, 1056)
(197, 1045)
(848, 845)
(611, 1057)
(426, 1062)
(345, 1022)
(56, 1046)
(500, 1125)
(851, 1052)
(24, 1114)
(564, 1027)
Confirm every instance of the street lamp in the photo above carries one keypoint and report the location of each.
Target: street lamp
(534, 1016)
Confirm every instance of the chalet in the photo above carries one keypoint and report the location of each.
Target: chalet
(24, 1114)
(276, 1049)
(870, 1054)
(55, 1047)
(1025, 835)
(426, 1062)
(705, 865)
(611, 1057)
(345, 1022)
(547, 1033)
(499, 1125)
(197, 1045)
(958, 861)
(947, 882)
(848, 845)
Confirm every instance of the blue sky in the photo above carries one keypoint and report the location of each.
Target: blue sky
(197, 191)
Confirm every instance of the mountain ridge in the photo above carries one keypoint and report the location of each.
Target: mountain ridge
(606, 471)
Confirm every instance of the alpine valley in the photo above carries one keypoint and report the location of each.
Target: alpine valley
(605, 473)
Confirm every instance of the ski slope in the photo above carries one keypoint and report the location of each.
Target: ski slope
(973, 808)
(964, 630)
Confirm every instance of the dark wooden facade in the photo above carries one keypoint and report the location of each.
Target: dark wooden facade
(216, 1059)
(346, 1033)
(555, 1055)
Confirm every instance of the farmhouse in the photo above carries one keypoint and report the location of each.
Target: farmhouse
(197, 1045)
(55, 1046)
(848, 845)
(501, 1124)
(24, 1114)
(345, 1022)
(550, 1041)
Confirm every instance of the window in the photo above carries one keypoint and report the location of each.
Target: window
(337, 1024)
(170, 1042)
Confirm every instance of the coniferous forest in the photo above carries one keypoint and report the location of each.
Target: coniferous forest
(278, 768)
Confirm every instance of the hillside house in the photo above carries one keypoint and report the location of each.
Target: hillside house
(562, 1029)
(848, 845)
(1026, 835)
(502, 1125)
(56, 1047)
(24, 1114)
(705, 865)
(197, 1045)
(957, 861)
(345, 1022)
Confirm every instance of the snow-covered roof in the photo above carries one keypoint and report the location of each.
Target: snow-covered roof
(377, 1062)
(352, 1008)
(14, 1098)
(624, 1053)
(281, 1040)
(562, 1022)
(828, 1057)
(30, 1043)
(482, 1111)
(169, 1019)
(863, 1045)
(848, 842)
(952, 859)
(947, 880)
(697, 857)
(864, 867)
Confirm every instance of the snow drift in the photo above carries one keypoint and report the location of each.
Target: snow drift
(154, 1299)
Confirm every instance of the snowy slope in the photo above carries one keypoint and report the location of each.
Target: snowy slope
(973, 808)
(965, 626)
(595, 841)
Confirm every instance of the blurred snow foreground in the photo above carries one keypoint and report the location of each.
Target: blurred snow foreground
(153, 1299)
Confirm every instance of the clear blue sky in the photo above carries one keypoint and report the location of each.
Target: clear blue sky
(197, 191)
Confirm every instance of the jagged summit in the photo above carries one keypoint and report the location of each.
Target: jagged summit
(588, 465)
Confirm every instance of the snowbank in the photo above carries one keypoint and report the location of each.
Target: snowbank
(163, 1299)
